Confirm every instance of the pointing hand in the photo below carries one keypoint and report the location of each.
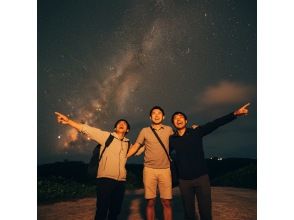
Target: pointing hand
(243, 110)
(61, 118)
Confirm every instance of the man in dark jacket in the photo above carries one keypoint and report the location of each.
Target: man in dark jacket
(189, 157)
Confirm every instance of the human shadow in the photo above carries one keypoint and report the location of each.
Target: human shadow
(134, 205)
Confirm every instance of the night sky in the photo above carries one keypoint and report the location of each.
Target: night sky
(99, 61)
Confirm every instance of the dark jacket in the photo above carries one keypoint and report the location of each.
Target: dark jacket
(188, 149)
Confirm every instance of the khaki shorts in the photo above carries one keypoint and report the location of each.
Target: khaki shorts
(157, 177)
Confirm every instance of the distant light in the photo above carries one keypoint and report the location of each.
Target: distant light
(59, 136)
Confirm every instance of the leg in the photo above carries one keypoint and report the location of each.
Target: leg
(103, 189)
(203, 193)
(165, 190)
(150, 185)
(167, 209)
(150, 211)
(188, 198)
(117, 196)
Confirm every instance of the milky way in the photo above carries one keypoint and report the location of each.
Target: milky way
(98, 62)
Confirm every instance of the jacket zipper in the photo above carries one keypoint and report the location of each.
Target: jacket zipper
(119, 159)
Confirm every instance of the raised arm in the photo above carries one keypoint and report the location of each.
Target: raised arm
(62, 119)
(211, 126)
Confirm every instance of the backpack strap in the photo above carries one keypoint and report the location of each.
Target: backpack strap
(107, 143)
(158, 138)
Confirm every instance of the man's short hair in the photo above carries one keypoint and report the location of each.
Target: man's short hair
(156, 107)
(178, 113)
(119, 120)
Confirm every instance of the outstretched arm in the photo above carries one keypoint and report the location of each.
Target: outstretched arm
(66, 121)
(211, 126)
(134, 148)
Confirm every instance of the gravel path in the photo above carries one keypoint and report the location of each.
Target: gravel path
(227, 204)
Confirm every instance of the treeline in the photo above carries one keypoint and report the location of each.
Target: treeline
(69, 180)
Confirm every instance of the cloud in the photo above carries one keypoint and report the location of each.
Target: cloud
(226, 92)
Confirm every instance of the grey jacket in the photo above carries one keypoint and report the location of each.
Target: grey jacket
(113, 161)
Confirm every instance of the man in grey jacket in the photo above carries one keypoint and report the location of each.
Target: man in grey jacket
(111, 175)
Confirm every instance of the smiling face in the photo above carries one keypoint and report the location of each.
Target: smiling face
(179, 121)
(156, 116)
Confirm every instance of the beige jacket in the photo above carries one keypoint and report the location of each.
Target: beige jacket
(113, 161)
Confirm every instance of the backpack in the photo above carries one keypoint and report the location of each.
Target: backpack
(96, 157)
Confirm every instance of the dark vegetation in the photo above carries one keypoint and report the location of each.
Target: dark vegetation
(68, 180)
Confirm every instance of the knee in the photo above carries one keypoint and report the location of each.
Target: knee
(150, 203)
(166, 203)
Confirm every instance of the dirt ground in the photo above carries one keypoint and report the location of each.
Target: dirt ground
(227, 204)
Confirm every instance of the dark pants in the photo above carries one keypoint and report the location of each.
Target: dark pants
(201, 188)
(110, 195)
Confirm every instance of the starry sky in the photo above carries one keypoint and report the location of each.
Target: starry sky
(99, 61)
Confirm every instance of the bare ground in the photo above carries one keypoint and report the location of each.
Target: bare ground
(227, 204)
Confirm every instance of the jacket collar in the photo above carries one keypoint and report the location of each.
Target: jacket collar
(187, 132)
(114, 134)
